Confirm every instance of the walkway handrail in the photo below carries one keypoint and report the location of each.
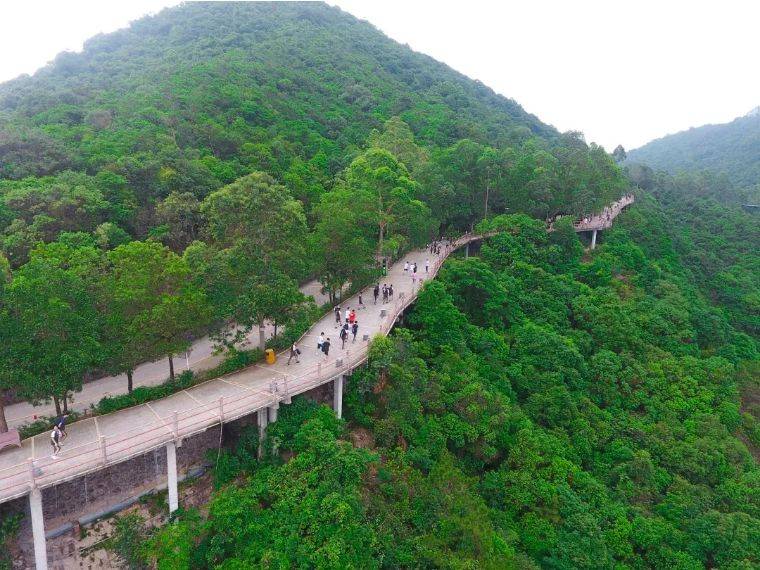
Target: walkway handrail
(604, 219)
(19, 479)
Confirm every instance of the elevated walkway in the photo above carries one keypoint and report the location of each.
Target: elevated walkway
(96, 443)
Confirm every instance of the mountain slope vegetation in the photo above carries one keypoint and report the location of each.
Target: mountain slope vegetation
(731, 150)
(202, 94)
(540, 410)
(545, 406)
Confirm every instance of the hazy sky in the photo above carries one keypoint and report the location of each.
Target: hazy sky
(621, 72)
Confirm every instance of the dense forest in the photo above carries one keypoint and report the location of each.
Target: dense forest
(543, 405)
(188, 172)
(541, 409)
(731, 150)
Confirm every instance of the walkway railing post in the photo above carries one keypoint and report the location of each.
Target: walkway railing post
(103, 453)
(171, 476)
(32, 479)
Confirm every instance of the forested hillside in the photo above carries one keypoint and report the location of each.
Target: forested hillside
(188, 172)
(131, 134)
(543, 406)
(543, 409)
(731, 150)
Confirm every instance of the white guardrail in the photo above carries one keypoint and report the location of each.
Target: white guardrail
(17, 480)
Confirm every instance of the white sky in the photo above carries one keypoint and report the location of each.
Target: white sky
(621, 72)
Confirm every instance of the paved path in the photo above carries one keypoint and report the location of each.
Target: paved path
(604, 220)
(100, 441)
(201, 357)
(104, 440)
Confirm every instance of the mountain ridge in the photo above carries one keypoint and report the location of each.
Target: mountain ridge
(731, 149)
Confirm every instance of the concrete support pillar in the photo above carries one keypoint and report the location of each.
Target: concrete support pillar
(273, 412)
(467, 250)
(263, 416)
(593, 239)
(38, 529)
(171, 476)
(338, 396)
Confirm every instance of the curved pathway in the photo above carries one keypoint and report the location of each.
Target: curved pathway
(200, 357)
(96, 442)
(100, 441)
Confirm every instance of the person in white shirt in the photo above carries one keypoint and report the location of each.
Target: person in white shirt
(320, 342)
(55, 441)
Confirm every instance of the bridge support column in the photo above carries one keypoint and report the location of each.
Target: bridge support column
(38, 529)
(263, 416)
(467, 250)
(273, 412)
(171, 476)
(593, 239)
(338, 396)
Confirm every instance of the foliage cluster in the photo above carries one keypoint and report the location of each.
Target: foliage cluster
(544, 409)
(730, 149)
(184, 175)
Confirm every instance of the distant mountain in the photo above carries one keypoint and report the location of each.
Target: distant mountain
(732, 149)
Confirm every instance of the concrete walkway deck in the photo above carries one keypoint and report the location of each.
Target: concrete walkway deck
(104, 440)
(201, 357)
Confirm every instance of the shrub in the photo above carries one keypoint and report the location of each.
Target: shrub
(144, 394)
(43, 424)
(127, 541)
(9, 525)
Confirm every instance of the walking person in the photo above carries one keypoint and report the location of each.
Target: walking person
(337, 315)
(348, 313)
(55, 441)
(326, 347)
(294, 352)
(343, 336)
(390, 291)
(61, 423)
(427, 265)
(406, 266)
(385, 293)
(352, 317)
(354, 330)
(376, 292)
(415, 267)
(320, 342)
(361, 302)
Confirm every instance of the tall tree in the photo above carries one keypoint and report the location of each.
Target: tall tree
(378, 188)
(50, 331)
(340, 251)
(180, 214)
(266, 297)
(258, 215)
(398, 139)
(152, 306)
